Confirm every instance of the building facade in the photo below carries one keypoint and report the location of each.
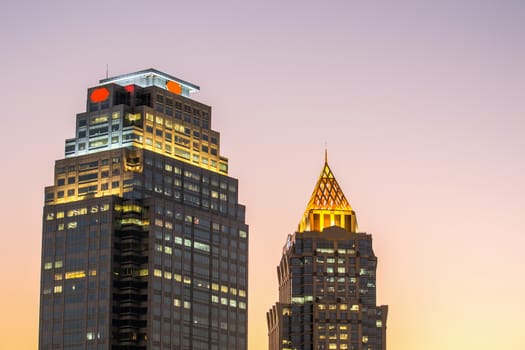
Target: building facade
(327, 280)
(144, 244)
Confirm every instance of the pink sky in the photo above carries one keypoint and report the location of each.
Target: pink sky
(421, 104)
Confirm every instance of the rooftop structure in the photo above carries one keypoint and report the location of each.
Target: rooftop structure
(153, 77)
(144, 242)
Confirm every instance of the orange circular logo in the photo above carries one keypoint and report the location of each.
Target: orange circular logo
(99, 95)
(173, 87)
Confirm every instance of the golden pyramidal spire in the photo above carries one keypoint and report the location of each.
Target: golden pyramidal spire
(328, 205)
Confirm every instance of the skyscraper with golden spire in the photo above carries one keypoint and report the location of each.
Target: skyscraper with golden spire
(327, 280)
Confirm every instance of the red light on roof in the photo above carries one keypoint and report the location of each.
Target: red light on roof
(130, 88)
(99, 95)
(174, 87)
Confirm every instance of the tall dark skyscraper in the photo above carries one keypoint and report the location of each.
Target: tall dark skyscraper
(145, 244)
(327, 280)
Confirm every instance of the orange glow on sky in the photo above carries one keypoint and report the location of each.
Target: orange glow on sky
(420, 103)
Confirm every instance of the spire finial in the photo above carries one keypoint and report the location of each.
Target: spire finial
(325, 153)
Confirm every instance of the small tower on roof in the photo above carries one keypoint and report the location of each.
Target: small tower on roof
(328, 205)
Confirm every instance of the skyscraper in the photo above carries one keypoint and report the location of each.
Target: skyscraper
(327, 280)
(145, 244)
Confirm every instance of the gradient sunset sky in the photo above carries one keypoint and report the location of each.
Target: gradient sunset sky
(421, 105)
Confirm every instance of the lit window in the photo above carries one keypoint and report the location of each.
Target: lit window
(201, 246)
(157, 273)
(75, 274)
(99, 119)
(365, 339)
(215, 299)
(57, 289)
(72, 225)
(48, 266)
(187, 305)
(176, 302)
(297, 300)
(76, 212)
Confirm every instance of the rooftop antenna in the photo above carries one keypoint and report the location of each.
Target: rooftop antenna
(325, 153)
(107, 70)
